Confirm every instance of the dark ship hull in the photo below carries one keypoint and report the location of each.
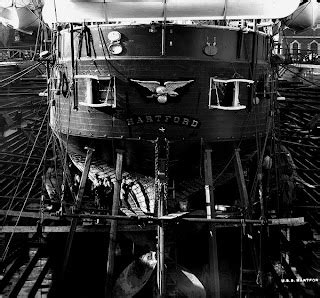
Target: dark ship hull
(128, 111)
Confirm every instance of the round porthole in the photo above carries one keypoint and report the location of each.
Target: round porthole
(114, 36)
(115, 49)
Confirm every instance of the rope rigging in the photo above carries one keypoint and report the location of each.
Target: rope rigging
(25, 167)
(25, 201)
(20, 74)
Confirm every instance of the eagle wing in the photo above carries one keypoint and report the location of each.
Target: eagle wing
(151, 85)
(171, 86)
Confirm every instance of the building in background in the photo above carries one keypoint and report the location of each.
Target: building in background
(303, 46)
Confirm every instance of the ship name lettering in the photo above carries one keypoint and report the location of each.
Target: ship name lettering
(149, 119)
(185, 121)
(176, 119)
(139, 120)
(158, 118)
(168, 119)
(194, 123)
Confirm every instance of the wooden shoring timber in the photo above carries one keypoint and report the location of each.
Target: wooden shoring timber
(114, 224)
(19, 93)
(19, 163)
(306, 207)
(21, 281)
(312, 196)
(39, 279)
(67, 175)
(255, 222)
(301, 107)
(127, 228)
(214, 290)
(302, 102)
(37, 104)
(18, 178)
(305, 159)
(24, 214)
(142, 189)
(32, 200)
(13, 267)
(92, 228)
(290, 161)
(173, 216)
(314, 146)
(19, 155)
(231, 221)
(242, 184)
(74, 221)
(304, 154)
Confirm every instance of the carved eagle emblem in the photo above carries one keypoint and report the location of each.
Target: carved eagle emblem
(161, 92)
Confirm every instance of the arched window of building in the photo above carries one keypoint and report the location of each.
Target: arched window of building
(313, 48)
(295, 47)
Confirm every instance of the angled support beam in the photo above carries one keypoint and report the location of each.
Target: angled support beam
(242, 184)
(20, 259)
(18, 286)
(39, 280)
(114, 225)
(74, 221)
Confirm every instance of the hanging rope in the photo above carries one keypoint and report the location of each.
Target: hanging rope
(22, 73)
(224, 169)
(25, 167)
(260, 160)
(18, 73)
(108, 62)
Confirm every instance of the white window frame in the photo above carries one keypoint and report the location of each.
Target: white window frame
(317, 43)
(89, 99)
(235, 101)
(291, 46)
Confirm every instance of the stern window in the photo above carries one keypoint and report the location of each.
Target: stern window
(96, 91)
(229, 94)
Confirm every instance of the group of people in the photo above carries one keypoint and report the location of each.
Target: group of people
(103, 193)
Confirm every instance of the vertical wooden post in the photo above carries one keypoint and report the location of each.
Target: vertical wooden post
(114, 225)
(74, 221)
(214, 290)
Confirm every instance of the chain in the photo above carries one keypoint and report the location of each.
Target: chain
(161, 183)
(156, 178)
(165, 184)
